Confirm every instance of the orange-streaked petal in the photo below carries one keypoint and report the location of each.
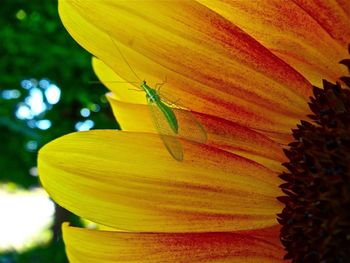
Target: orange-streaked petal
(311, 35)
(129, 181)
(269, 234)
(209, 63)
(220, 133)
(90, 246)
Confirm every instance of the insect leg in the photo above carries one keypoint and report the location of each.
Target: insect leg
(136, 89)
(159, 85)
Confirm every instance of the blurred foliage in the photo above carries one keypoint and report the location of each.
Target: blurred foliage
(38, 46)
(34, 44)
(52, 252)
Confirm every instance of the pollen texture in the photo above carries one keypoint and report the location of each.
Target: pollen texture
(316, 218)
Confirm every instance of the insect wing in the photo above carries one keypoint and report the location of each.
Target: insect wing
(167, 135)
(189, 127)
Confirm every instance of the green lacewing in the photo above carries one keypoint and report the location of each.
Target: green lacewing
(170, 120)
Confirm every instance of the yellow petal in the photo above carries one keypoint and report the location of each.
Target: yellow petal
(89, 246)
(311, 35)
(210, 64)
(220, 133)
(129, 181)
(121, 89)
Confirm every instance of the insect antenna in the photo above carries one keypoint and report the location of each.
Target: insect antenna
(112, 81)
(124, 58)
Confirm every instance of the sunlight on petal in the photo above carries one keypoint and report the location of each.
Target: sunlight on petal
(129, 181)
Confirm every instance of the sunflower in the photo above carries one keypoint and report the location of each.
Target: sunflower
(254, 191)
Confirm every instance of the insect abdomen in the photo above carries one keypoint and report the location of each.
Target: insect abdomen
(170, 116)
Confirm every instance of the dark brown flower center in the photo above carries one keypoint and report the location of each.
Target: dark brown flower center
(316, 218)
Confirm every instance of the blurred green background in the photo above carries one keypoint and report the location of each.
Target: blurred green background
(44, 93)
